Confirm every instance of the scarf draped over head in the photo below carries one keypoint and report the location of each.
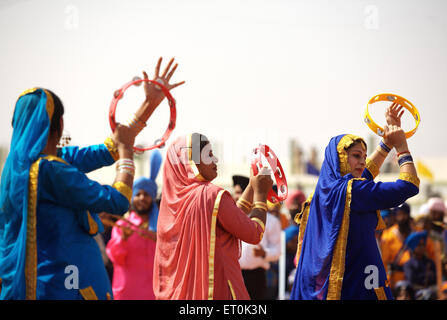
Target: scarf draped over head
(184, 258)
(321, 254)
(31, 125)
(150, 187)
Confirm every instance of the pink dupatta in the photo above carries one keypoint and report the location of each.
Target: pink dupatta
(184, 264)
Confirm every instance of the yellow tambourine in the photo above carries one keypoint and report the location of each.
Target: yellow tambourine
(391, 98)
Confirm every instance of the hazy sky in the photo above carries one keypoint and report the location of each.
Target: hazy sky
(255, 71)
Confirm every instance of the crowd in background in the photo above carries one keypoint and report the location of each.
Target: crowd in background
(413, 248)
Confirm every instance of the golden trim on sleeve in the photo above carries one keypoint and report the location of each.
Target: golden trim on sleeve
(93, 226)
(259, 221)
(111, 146)
(213, 246)
(410, 178)
(55, 158)
(372, 168)
(124, 189)
(88, 293)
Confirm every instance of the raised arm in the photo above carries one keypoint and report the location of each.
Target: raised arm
(393, 117)
(368, 195)
(253, 200)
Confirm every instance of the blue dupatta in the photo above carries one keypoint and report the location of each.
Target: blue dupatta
(31, 126)
(325, 224)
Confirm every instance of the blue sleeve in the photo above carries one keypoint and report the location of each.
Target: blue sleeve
(369, 196)
(367, 175)
(67, 186)
(87, 159)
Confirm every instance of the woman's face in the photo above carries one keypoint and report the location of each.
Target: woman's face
(357, 159)
(207, 166)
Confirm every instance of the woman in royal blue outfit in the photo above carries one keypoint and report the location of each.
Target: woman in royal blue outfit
(337, 254)
(49, 207)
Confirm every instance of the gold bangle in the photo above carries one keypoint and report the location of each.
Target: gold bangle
(260, 205)
(246, 202)
(383, 153)
(406, 163)
(244, 205)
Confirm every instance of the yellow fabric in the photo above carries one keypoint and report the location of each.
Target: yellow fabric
(88, 293)
(410, 178)
(391, 98)
(124, 189)
(112, 148)
(31, 242)
(213, 246)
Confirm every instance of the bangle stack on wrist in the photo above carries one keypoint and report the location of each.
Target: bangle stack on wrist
(245, 204)
(404, 158)
(260, 205)
(383, 149)
(136, 123)
(126, 166)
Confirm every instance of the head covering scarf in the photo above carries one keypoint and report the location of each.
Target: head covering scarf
(31, 125)
(405, 207)
(150, 187)
(436, 204)
(295, 195)
(322, 252)
(184, 257)
(413, 240)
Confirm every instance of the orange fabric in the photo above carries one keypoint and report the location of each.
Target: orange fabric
(198, 232)
(391, 242)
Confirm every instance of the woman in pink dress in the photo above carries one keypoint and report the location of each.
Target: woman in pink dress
(200, 226)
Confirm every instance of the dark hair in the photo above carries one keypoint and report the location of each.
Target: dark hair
(198, 142)
(357, 142)
(57, 114)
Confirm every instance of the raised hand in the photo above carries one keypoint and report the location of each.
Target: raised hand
(393, 114)
(395, 136)
(154, 94)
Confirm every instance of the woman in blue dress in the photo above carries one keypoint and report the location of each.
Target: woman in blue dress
(49, 207)
(337, 254)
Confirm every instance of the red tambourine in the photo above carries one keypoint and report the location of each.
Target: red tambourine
(275, 166)
(118, 94)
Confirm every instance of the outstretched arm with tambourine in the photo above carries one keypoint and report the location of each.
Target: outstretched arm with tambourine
(393, 117)
(155, 91)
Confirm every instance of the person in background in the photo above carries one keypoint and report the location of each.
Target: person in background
(294, 203)
(437, 233)
(392, 244)
(132, 247)
(239, 185)
(419, 270)
(257, 261)
(403, 290)
(388, 219)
